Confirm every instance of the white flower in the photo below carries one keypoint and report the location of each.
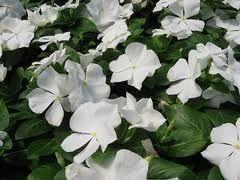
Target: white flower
(229, 71)
(216, 98)
(58, 56)
(3, 72)
(141, 114)
(89, 86)
(125, 166)
(225, 150)
(94, 124)
(135, 65)
(112, 36)
(16, 33)
(105, 12)
(233, 28)
(43, 15)
(69, 4)
(11, 8)
(120, 102)
(182, 26)
(234, 3)
(3, 134)
(53, 92)
(163, 4)
(185, 74)
(53, 39)
(210, 51)
(88, 58)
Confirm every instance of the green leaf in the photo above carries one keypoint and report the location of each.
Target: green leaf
(159, 78)
(191, 131)
(85, 25)
(60, 175)
(4, 116)
(162, 169)
(42, 147)
(215, 174)
(43, 173)
(219, 117)
(135, 26)
(32, 128)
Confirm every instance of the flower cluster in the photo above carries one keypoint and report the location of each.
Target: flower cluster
(122, 90)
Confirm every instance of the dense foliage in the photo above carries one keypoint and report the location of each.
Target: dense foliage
(32, 144)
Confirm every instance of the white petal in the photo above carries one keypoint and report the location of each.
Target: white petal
(39, 100)
(75, 141)
(135, 52)
(102, 112)
(216, 153)
(128, 165)
(77, 171)
(226, 133)
(121, 76)
(191, 90)
(121, 64)
(139, 75)
(175, 88)
(230, 167)
(179, 71)
(55, 114)
(91, 148)
(48, 80)
(94, 74)
(195, 25)
(152, 120)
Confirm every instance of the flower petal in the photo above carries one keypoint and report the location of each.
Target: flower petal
(226, 133)
(216, 153)
(75, 141)
(91, 148)
(39, 100)
(55, 114)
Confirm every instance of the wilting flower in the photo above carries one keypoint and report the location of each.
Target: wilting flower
(135, 65)
(69, 4)
(181, 26)
(3, 134)
(58, 56)
(53, 92)
(43, 15)
(112, 36)
(53, 39)
(234, 3)
(3, 72)
(216, 98)
(230, 70)
(11, 8)
(118, 168)
(141, 114)
(94, 124)
(104, 13)
(89, 86)
(225, 150)
(16, 33)
(163, 4)
(185, 75)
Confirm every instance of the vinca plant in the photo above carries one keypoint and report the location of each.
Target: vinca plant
(119, 89)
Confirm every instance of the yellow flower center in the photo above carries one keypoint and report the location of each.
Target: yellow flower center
(237, 146)
(94, 134)
(134, 66)
(85, 82)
